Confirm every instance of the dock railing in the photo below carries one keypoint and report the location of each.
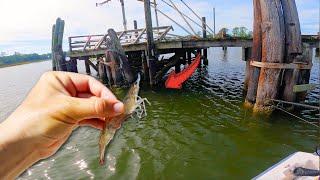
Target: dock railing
(100, 41)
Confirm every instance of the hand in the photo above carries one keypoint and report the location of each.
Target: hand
(57, 105)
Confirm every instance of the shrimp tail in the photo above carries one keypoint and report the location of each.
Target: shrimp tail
(106, 136)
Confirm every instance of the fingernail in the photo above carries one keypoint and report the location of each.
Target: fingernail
(118, 108)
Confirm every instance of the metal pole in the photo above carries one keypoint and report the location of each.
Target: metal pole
(194, 13)
(210, 32)
(156, 12)
(214, 22)
(123, 16)
(175, 7)
(173, 21)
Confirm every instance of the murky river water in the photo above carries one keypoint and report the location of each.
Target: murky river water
(201, 131)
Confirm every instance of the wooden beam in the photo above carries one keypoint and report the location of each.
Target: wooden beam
(91, 64)
(164, 33)
(97, 46)
(139, 36)
(304, 87)
(87, 43)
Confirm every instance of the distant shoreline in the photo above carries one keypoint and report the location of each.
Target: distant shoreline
(21, 63)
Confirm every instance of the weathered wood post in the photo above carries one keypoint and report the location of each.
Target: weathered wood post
(54, 64)
(304, 74)
(102, 70)
(73, 65)
(177, 66)
(246, 56)
(273, 33)
(87, 65)
(58, 57)
(117, 61)
(145, 65)
(184, 57)
(189, 56)
(150, 43)
(199, 52)
(293, 47)
(204, 35)
(135, 26)
(256, 55)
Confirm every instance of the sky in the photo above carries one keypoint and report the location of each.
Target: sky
(27, 24)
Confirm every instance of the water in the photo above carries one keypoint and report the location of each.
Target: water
(201, 131)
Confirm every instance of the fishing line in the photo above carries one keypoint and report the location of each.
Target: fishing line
(306, 121)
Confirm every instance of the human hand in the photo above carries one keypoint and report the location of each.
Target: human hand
(57, 105)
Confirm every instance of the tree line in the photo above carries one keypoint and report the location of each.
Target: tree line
(21, 58)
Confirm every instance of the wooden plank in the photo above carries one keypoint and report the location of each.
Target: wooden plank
(87, 43)
(280, 65)
(97, 46)
(304, 87)
(139, 36)
(165, 33)
(92, 65)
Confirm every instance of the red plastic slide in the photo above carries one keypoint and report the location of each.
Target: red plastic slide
(175, 81)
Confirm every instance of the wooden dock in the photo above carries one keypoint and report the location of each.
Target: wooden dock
(88, 45)
(117, 56)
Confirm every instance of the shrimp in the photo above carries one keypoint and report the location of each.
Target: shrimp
(133, 104)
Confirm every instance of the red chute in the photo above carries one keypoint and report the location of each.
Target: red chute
(175, 81)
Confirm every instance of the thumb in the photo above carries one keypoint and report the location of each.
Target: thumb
(95, 107)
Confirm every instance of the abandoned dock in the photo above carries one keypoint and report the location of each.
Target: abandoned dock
(144, 49)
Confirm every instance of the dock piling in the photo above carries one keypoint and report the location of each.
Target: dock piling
(87, 65)
(189, 58)
(204, 35)
(150, 43)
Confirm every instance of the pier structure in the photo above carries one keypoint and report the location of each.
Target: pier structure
(277, 58)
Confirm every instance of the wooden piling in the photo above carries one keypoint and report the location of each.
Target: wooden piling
(204, 35)
(256, 55)
(293, 48)
(184, 57)
(246, 56)
(87, 66)
(135, 27)
(150, 43)
(145, 65)
(304, 75)
(58, 59)
(54, 67)
(200, 52)
(102, 70)
(189, 56)
(177, 66)
(273, 33)
(118, 62)
(72, 65)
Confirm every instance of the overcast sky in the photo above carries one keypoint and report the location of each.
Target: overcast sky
(26, 24)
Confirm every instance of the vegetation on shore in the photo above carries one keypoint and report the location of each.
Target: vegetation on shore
(18, 58)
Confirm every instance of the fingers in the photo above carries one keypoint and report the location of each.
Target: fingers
(75, 83)
(95, 123)
(85, 84)
(94, 107)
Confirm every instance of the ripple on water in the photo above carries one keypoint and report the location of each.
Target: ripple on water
(200, 131)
